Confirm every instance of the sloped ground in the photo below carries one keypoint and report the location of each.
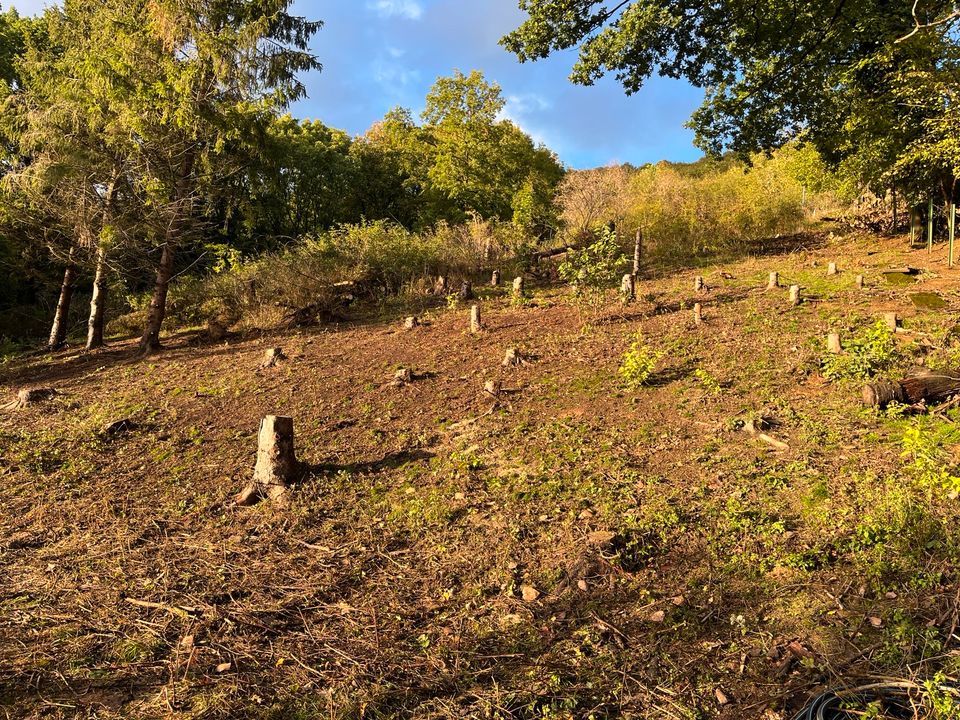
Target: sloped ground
(571, 550)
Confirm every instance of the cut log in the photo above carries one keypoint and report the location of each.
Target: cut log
(277, 464)
(774, 281)
(891, 320)
(832, 269)
(411, 322)
(475, 324)
(927, 387)
(794, 294)
(493, 387)
(440, 286)
(495, 279)
(698, 314)
(833, 344)
(698, 283)
(860, 282)
(628, 289)
(403, 376)
(518, 287)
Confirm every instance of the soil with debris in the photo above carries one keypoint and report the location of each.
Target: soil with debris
(563, 548)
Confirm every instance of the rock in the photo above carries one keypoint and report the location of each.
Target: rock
(658, 617)
(582, 584)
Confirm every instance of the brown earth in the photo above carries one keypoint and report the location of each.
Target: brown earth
(571, 549)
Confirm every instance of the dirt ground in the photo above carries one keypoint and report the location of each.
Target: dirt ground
(571, 549)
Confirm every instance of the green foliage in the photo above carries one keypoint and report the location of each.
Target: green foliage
(596, 267)
(871, 351)
(639, 363)
(924, 445)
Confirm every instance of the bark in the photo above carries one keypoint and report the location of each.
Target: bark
(98, 302)
(927, 387)
(58, 331)
(277, 464)
(150, 342)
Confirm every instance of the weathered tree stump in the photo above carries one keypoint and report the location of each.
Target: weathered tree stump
(411, 322)
(493, 387)
(833, 344)
(466, 291)
(117, 427)
(30, 396)
(794, 294)
(513, 358)
(832, 269)
(774, 281)
(277, 464)
(698, 283)
(891, 320)
(403, 376)
(698, 314)
(519, 287)
(628, 289)
(272, 357)
(495, 279)
(440, 286)
(926, 387)
(860, 282)
(475, 324)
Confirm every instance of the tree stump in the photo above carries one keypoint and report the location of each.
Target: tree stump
(860, 282)
(698, 283)
(475, 324)
(519, 287)
(493, 387)
(411, 322)
(628, 289)
(832, 269)
(513, 358)
(30, 396)
(403, 376)
(495, 279)
(698, 314)
(833, 344)
(926, 387)
(271, 357)
(794, 294)
(774, 281)
(891, 320)
(440, 286)
(277, 464)
(466, 291)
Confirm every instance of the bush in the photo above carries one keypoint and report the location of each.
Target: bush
(596, 267)
(871, 351)
(638, 363)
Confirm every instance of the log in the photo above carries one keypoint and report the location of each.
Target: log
(403, 376)
(927, 387)
(628, 289)
(277, 464)
(475, 324)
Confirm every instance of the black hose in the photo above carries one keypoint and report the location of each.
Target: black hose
(893, 700)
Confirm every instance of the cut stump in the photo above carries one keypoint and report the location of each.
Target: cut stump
(277, 464)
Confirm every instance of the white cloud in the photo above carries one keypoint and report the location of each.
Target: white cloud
(409, 9)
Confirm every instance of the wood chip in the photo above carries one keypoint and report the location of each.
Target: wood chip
(529, 593)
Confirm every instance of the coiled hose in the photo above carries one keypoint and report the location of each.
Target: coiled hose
(894, 700)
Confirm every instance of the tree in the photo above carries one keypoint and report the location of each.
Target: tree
(180, 94)
(773, 70)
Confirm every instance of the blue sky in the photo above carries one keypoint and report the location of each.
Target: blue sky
(378, 54)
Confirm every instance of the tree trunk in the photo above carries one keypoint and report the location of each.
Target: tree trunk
(928, 387)
(58, 331)
(150, 342)
(98, 301)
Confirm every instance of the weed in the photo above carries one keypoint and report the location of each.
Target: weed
(871, 351)
(638, 363)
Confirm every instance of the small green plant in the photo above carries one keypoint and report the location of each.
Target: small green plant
(453, 301)
(929, 461)
(638, 363)
(708, 381)
(595, 268)
(871, 351)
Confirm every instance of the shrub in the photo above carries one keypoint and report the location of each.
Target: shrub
(871, 351)
(596, 267)
(638, 363)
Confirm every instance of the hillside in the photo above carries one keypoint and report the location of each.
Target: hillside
(570, 549)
